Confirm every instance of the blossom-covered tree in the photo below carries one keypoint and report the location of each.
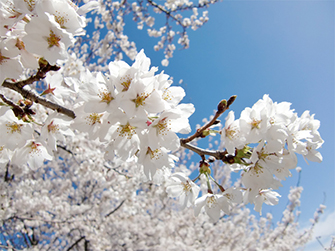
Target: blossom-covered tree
(91, 153)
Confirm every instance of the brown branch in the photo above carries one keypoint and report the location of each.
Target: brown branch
(222, 107)
(219, 155)
(18, 111)
(37, 99)
(42, 71)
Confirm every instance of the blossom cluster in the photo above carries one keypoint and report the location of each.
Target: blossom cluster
(33, 29)
(263, 144)
(278, 135)
(168, 21)
(135, 112)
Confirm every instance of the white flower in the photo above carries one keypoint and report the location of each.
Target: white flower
(141, 98)
(154, 159)
(278, 163)
(15, 132)
(161, 134)
(99, 94)
(231, 134)
(179, 185)
(124, 135)
(266, 196)
(312, 153)
(46, 38)
(33, 154)
(296, 140)
(254, 122)
(64, 14)
(213, 203)
(10, 65)
(256, 178)
(55, 128)
(56, 90)
(122, 75)
(95, 124)
(308, 123)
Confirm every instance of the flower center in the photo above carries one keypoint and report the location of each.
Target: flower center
(126, 130)
(52, 127)
(255, 123)
(211, 201)
(94, 118)
(167, 95)
(53, 40)
(34, 148)
(186, 186)
(19, 44)
(154, 154)
(126, 83)
(60, 19)
(105, 96)
(2, 59)
(31, 4)
(162, 126)
(231, 132)
(140, 99)
(14, 127)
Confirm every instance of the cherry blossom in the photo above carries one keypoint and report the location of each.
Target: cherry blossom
(16, 132)
(33, 154)
(46, 38)
(179, 185)
(212, 203)
(56, 127)
(10, 66)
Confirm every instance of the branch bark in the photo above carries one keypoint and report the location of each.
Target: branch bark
(222, 107)
(37, 99)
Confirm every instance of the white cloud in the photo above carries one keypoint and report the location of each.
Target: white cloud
(324, 230)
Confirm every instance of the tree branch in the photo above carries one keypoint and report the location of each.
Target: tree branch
(37, 99)
(219, 155)
(74, 244)
(222, 107)
(168, 13)
(18, 111)
(117, 208)
(42, 71)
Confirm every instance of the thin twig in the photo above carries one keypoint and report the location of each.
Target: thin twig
(222, 107)
(219, 155)
(74, 244)
(18, 111)
(41, 73)
(168, 13)
(115, 209)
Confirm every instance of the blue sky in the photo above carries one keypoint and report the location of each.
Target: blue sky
(250, 48)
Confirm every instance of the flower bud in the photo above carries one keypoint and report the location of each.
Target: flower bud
(204, 167)
(231, 100)
(222, 105)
